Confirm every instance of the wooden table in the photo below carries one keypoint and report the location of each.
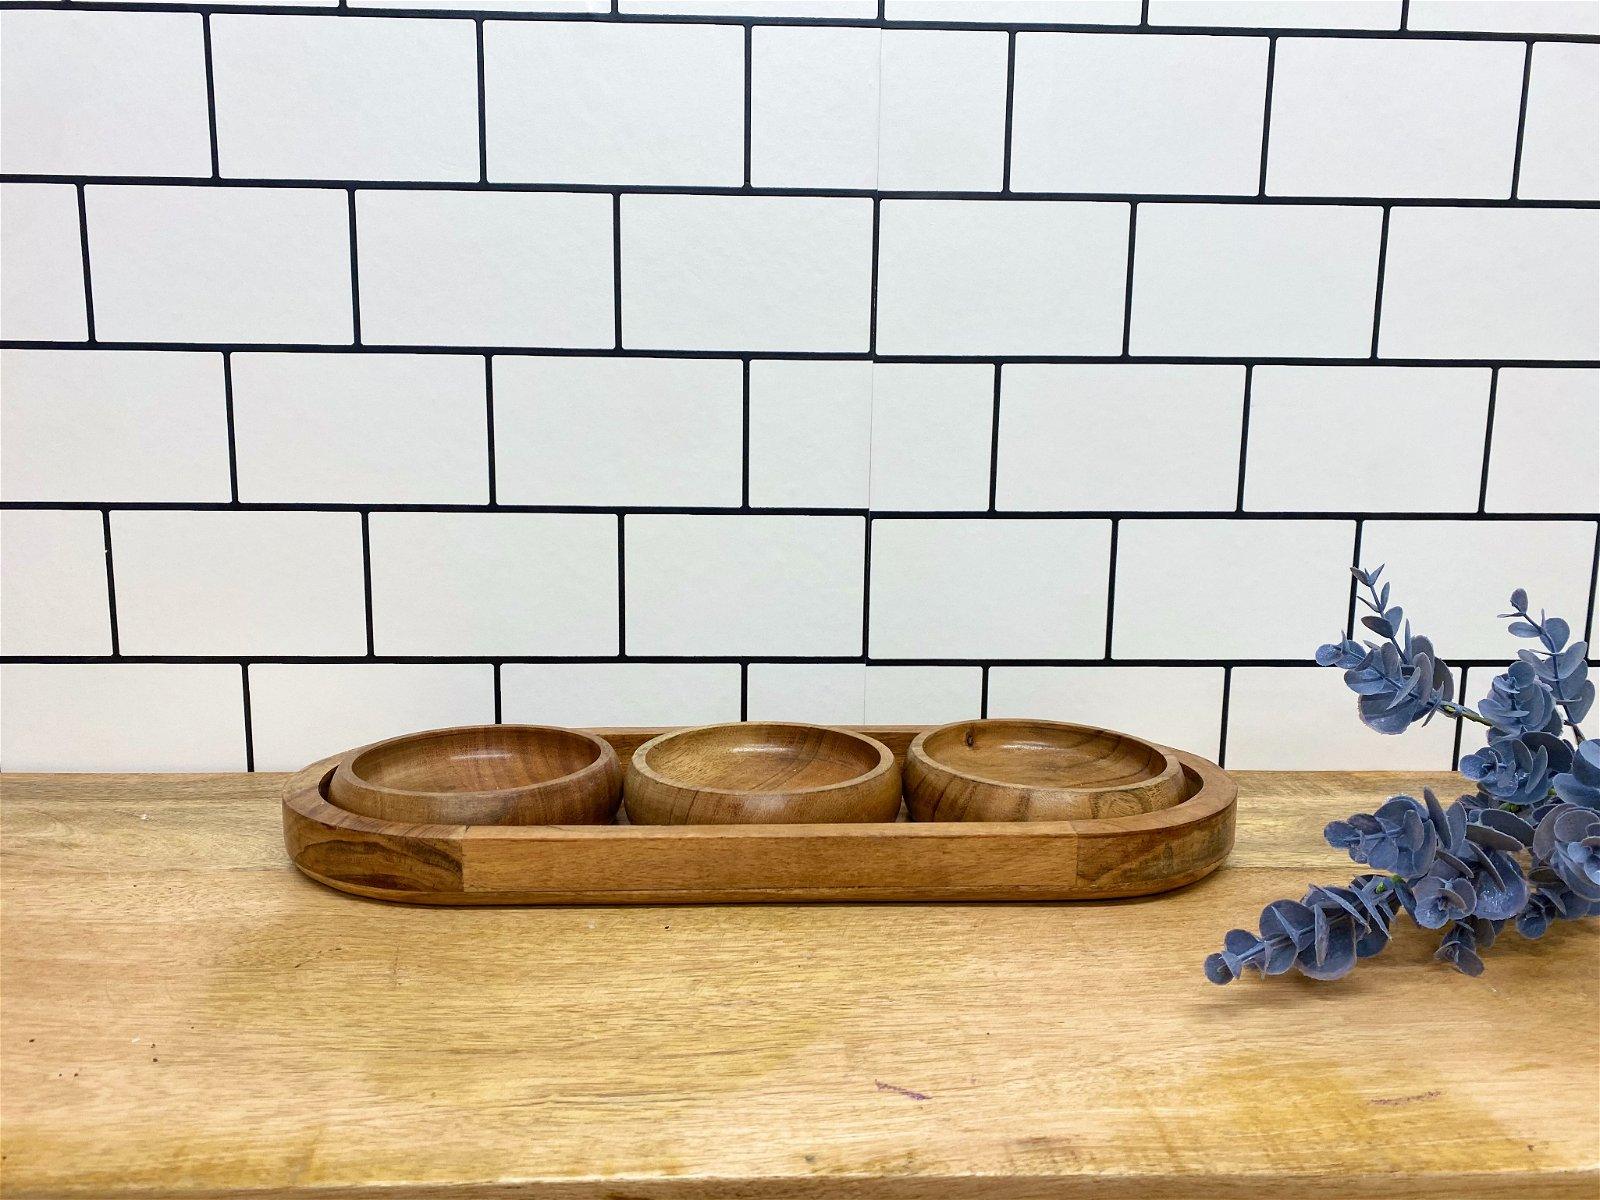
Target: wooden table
(185, 1015)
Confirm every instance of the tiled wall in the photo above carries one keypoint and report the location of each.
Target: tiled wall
(372, 368)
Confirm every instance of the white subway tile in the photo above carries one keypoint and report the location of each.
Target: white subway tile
(104, 93)
(1001, 277)
(931, 426)
(988, 588)
(1174, 706)
(746, 273)
(1561, 141)
(256, 583)
(1040, 12)
(810, 433)
(1226, 279)
(300, 713)
(942, 125)
(1229, 588)
(210, 264)
(619, 694)
(1304, 719)
(922, 695)
(1506, 16)
(1368, 117)
(1491, 283)
(1332, 439)
(494, 583)
(1098, 112)
(486, 269)
(112, 425)
(1278, 14)
(1117, 436)
(318, 97)
(814, 105)
(472, 6)
(820, 693)
(122, 717)
(41, 263)
(818, 9)
(1453, 577)
(361, 428)
(1546, 444)
(53, 587)
(618, 431)
(592, 102)
(744, 585)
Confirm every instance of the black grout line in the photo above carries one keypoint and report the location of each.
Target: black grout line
(744, 426)
(643, 189)
(211, 92)
(1405, 13)
(1144, 12)
(1266, 115)
(1495, 664)
(1522, 119)
(1455, 747)
(1222, 732)
(88, 276)
(1111, 587)
(1377, 300)
(1488, 439)
(866, 591)
(488, 424)
(1011, 88)
(716, 510)
(1244, 437)
(499, 718)
(1127, 298)
(111, 584)
(744, 690)
(994, 442)
(366, 575)
(1589, 630)
(483, 109)
(616, 267)
(791, 355)
(749, 67)
(1355, 561)
(233, 441)
(983, 693)
(355, 274)
(622, 585)
(1108, 29)
(249, 731)
(872, 313)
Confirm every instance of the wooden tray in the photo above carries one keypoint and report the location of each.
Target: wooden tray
(715, 864)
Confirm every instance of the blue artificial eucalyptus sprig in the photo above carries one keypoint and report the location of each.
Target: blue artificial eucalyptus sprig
(1524, 847)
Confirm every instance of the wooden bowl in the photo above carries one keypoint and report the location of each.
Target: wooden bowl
(482, 775)
(1027, 770)
(762, 773)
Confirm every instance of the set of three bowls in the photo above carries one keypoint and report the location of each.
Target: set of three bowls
(757, 773)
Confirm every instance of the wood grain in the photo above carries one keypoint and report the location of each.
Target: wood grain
(185, 1015)
(1134, 855)
(761, 772)
(1032, 770)
(482, 775)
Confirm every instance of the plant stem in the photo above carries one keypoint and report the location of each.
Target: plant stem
(1457, 710)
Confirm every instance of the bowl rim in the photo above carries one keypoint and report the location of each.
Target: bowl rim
(917, 750)
(346, 763)
(639, 760)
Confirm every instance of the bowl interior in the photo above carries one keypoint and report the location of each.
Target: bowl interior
(762, 758)
(488, 758)
(1044, 754)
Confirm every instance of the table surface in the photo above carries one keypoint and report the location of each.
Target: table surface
(184, 1014)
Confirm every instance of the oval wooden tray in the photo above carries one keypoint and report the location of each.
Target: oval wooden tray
(710, 864)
